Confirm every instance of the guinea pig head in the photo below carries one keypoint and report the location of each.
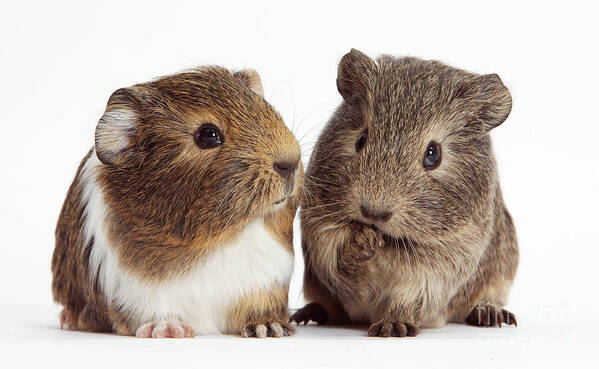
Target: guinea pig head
(410, 148)
(196, 155)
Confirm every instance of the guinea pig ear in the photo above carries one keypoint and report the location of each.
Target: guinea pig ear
(493, 102)
(116, 126)
(354, 75)
(251, 79)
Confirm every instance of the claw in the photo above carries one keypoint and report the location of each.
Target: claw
(509, 318)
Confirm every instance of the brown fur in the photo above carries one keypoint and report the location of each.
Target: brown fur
(85, 306)
(170, 201)
(450, 242)
(280, 224)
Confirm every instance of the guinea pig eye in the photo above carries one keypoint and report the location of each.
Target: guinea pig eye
(432, 156)
(208, 136)
(361, 140)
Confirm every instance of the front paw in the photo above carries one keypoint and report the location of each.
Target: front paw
(488, 315)
(267, 329)
(392, 328)
(311, 312)
(164, 329)
(365, 240)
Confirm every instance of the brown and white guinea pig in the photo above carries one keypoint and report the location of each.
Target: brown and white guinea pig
(403, 221)
(179, 220)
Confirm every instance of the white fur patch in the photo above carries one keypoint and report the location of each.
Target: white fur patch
(201, 298)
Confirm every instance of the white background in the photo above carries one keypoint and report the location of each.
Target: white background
(61, 60)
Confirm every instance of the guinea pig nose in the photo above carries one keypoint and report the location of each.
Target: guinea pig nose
(285, 168)
(376, 215)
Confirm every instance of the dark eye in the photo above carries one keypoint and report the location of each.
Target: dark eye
(432, 156)
(208, 136)
(361, 140)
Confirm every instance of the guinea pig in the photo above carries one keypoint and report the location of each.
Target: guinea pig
(179, 219)
(403, 222)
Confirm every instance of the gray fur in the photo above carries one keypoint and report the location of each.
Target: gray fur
(450, 243)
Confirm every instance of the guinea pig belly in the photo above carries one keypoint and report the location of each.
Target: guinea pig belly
(254, 262)
(204, 297)
(201, 298)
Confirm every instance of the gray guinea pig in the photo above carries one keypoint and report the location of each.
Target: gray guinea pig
(403, 221)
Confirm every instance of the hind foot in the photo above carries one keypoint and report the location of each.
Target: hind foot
(489, 315)
(64, 324)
